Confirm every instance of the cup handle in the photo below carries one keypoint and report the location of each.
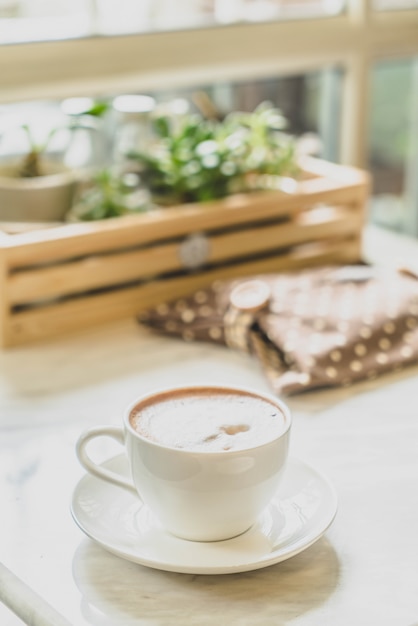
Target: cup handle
(95, 469)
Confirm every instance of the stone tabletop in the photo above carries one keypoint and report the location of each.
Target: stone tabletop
(363, 571)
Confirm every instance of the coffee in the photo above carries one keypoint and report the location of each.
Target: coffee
(206, 460)
(208, 420)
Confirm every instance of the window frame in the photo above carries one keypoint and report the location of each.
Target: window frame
(352, 41)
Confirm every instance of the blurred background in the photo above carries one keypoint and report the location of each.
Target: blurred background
(343, 72)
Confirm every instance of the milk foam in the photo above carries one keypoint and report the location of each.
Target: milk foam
(208, 420)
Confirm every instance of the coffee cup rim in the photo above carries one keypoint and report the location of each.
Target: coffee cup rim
(281, 404)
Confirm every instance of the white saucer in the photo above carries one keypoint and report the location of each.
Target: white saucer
(301, 512)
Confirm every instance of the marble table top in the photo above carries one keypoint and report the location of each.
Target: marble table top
(364, 438)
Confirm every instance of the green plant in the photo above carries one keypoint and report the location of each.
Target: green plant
(109, 194)
(202, 159)
(31, 165)
(31, 162)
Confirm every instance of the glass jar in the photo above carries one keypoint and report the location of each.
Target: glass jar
(132, 125)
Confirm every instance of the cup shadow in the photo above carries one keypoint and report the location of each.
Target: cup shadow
(114, 590)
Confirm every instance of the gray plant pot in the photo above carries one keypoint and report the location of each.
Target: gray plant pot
(41, 199)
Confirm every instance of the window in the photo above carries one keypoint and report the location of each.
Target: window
(333, 65)
(393, 144)
(388, 5)
(43, 20)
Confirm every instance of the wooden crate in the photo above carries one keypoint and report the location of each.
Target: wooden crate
(71, 276)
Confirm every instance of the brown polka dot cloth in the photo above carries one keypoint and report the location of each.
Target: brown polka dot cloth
(321, 327)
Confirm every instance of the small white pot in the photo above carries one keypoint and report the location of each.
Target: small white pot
(40, 199)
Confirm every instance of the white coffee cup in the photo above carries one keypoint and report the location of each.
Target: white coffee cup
(199, 495)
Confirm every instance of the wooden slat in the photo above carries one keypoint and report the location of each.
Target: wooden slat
(318, 168)
(104, 271)
(75, 240)
(93, 272)
(304, 228)
(70, 316)
(4, 298)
